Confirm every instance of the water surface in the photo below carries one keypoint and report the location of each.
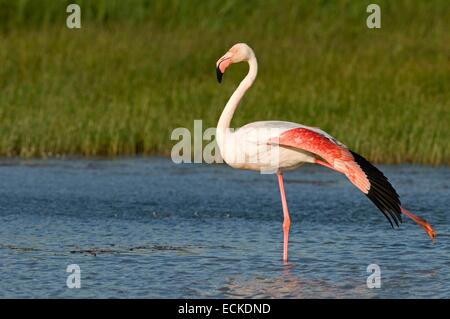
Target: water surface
(153, 229)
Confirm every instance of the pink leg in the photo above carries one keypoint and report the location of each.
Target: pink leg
(287, 220)
(422, 223)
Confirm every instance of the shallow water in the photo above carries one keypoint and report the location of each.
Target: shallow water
(150, 228)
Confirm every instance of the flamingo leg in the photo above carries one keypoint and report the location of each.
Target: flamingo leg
(287, 220)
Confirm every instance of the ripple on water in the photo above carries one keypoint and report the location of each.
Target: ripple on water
(150, 228)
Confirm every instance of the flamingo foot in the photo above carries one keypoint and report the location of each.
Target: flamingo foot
(422, 223)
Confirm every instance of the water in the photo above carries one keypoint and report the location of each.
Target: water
(150, 228)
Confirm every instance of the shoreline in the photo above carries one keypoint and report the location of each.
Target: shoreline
(13, 160)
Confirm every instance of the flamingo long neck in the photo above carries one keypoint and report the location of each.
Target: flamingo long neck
(225, 119)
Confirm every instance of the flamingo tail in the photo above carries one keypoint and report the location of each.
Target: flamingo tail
(422, 223)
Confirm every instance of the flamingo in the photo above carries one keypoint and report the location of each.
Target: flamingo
(278, 146)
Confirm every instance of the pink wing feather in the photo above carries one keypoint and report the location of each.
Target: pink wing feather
(358, 170)
(338, 156)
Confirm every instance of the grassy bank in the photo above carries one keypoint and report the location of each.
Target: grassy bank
(138, 69)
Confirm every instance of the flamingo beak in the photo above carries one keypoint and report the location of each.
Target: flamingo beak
(221, 65)
(219, 75)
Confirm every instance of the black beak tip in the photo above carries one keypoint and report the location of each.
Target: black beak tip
(219, 75)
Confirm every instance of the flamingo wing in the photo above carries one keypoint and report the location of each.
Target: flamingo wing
(365, 176)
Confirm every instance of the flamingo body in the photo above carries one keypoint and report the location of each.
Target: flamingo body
(277, 146)
(251, 147)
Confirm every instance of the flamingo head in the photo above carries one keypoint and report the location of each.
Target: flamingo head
(238, 53)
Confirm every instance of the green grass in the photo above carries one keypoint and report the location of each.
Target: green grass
(138, 69)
